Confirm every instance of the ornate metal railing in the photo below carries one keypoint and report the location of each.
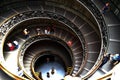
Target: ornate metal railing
(10, 24)
(34, 39)
(99, 19)
(6, 26)
(13, 21)
(91, 7)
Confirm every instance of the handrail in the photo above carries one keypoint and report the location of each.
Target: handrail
(24, 16)
(85, 60)
(36, 76)
(14, 20)
(102, 26)
(109, 74)
(98, 16)
(93, 70)
(2, 66)
(32, 69)
(106, 76)
(51, 15)
(11, 74)
(37, 38)
(32, 65)
(67, 24)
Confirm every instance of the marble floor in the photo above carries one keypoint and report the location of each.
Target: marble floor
(59, 71)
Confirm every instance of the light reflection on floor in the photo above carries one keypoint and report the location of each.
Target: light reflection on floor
(11, 58)
(59, 71)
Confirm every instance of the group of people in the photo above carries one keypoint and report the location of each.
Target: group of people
(48, 30)
(115, 58)
(52, 71)
(12, 45)
(48, 74)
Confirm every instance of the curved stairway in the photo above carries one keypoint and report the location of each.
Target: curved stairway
(113, 26)
(92, 39)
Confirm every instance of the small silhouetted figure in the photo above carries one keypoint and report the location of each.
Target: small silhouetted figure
(48, 75)
(105, 8)
(106, 58)
(40, 75)
(11, 46)
(52, 30)
(48, 30)
(115, 58)
(26, 33)
(69, 43)
(38, 31)
(16, 44)
(52, 71)
(48, 60)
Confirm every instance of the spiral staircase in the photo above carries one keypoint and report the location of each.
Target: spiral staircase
(92, 35)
